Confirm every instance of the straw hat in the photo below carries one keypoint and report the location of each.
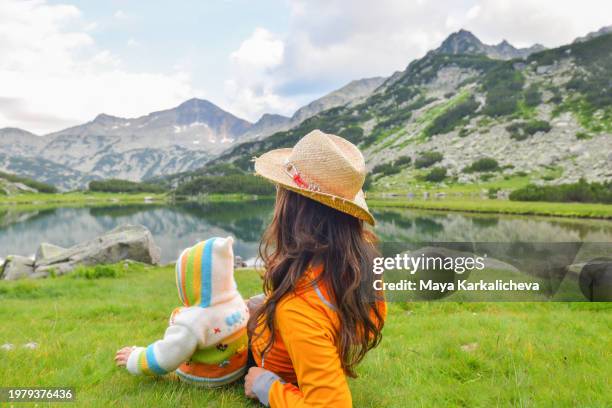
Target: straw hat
(323, 167)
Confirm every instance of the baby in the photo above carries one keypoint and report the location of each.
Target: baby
(206, 341)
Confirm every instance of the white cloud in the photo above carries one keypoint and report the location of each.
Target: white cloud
(327, 45)
(250, 90)
(132, 42)
(473, 12)
(524, 22)
(261, 50)
(53, 75)
(120, 15)
(251, 102)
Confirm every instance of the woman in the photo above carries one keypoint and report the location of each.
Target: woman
(321, 314)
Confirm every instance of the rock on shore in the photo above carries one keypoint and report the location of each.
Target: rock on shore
(133, 242)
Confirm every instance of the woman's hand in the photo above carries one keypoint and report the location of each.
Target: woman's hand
(249, 380)
(121, 358)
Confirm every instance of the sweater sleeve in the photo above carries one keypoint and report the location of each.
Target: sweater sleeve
(165, 355)
(315, 358)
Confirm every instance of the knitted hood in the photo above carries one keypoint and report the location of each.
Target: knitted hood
(205, 273)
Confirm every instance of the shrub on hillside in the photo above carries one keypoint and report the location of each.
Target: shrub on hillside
(427, 159)
(556, 97)
(581, 192)
(37, 185)
(452, 117)
(482, 165)
(394, 167)
(124, 186)
(386, 169)
(402, 161)
(583, 136)
(436, 175)
(532, 96)
(522, 130)
(223, 169)
(402, 93)
(534, 126)
(594, 60)
(234, 184)
(367, 184)
(392, 117)
(503, 86)
(353, 134)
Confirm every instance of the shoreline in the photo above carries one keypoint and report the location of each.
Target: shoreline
(84, 198)
(80, 198)
(493, 206)
(468, 205)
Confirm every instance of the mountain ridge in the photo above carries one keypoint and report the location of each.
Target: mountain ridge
(593, 34)
(162, 142)
(547, 117)
(465, 42)
(378, 113)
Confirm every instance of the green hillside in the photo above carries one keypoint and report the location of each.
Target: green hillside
(543, 119)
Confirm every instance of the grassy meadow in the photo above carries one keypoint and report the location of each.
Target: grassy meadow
(432, 355)
(77, 198)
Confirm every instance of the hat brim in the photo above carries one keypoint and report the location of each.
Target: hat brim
(271, 166)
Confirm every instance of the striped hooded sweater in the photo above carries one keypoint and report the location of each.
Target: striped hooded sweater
(206, 341)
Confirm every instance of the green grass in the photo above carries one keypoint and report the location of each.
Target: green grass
(408, 180)
(225, 197)
(578, 210)
(428, 117)
(525, 111)
(590, 118)
(526, 354)
(77, 198)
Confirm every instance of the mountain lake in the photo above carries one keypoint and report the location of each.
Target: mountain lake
(177, 226)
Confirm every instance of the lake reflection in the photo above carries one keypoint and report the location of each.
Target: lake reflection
(178, 226)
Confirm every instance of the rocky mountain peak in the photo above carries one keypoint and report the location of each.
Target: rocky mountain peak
(272, 118)
(465, 42)
(505, 45)
(594, 34)
(196, 103)
(537, 47)
(351, 92)
(202, 111)
(461, 42)
(266, 125)
(103, 119)
(14, 131)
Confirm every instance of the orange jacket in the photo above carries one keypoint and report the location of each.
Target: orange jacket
(304, 351)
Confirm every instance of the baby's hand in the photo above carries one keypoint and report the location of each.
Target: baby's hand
(121, 358)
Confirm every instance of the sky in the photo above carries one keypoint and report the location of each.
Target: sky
(63, 62)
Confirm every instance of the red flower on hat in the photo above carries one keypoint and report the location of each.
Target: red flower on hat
(300, 181)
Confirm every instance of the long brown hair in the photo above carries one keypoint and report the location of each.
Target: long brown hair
(304, 231)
